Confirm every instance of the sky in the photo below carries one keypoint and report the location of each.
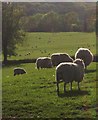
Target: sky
(50, 0)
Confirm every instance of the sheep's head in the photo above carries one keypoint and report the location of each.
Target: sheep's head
(80, 62)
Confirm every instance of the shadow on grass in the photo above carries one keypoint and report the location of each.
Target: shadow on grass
(17, 62)
(73, 93)
(12, 65)
(90, 71)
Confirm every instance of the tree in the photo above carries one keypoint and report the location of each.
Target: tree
(97, 18)
(49, 22)
(30, 23)
(11, 32)
(71, 20)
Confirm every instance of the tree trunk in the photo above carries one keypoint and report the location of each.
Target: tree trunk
(5, 57)
(5, 52)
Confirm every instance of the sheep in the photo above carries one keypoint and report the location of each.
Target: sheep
(43, 62)
(57, 58)
(84, 54)
(19, 70)
(68, 72)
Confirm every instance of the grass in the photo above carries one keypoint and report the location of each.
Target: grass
(33, 95)
(44, 44)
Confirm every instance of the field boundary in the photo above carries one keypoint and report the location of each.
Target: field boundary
(11, 62)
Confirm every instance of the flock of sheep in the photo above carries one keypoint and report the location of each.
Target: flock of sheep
(67, 69)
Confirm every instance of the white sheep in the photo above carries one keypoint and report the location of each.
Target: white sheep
(84, 54)
(58, 58)
(19, 70)
(69, 72)
(43, 62)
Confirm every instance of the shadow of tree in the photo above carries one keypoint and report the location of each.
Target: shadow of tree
(89, 71)
(17, 62)
(12, 65)
(74, 93)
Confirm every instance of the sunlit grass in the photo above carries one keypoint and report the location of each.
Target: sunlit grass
(44, 44)
(33, 95)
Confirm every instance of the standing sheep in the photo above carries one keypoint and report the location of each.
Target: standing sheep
(84, 54)
(69, 72)
(58, 58)
(18, 71)
(43, 62)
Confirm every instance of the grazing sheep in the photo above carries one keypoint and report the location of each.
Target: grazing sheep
(18, 71)
(84, 54)
(69, 72)
(43, 62)
(58, 58)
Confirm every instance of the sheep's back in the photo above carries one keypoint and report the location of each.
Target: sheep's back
(67, 71)
(85, 55)
(70, 72)
(44, 62)
(55, 59)
(58, 58)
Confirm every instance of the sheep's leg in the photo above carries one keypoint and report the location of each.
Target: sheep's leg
(37, 67)
(71, 86)
(64, 87)
(85, 68)
(57, 88)
(78, 86)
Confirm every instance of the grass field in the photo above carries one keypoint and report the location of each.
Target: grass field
(33, 95)
(44, 44)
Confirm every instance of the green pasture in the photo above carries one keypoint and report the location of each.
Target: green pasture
(33, 95)
(44, 44)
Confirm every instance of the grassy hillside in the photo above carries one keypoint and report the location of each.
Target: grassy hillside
(44, 44)
(33, 95)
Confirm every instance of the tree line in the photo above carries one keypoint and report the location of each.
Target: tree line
(57, 17)
(55, 22)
